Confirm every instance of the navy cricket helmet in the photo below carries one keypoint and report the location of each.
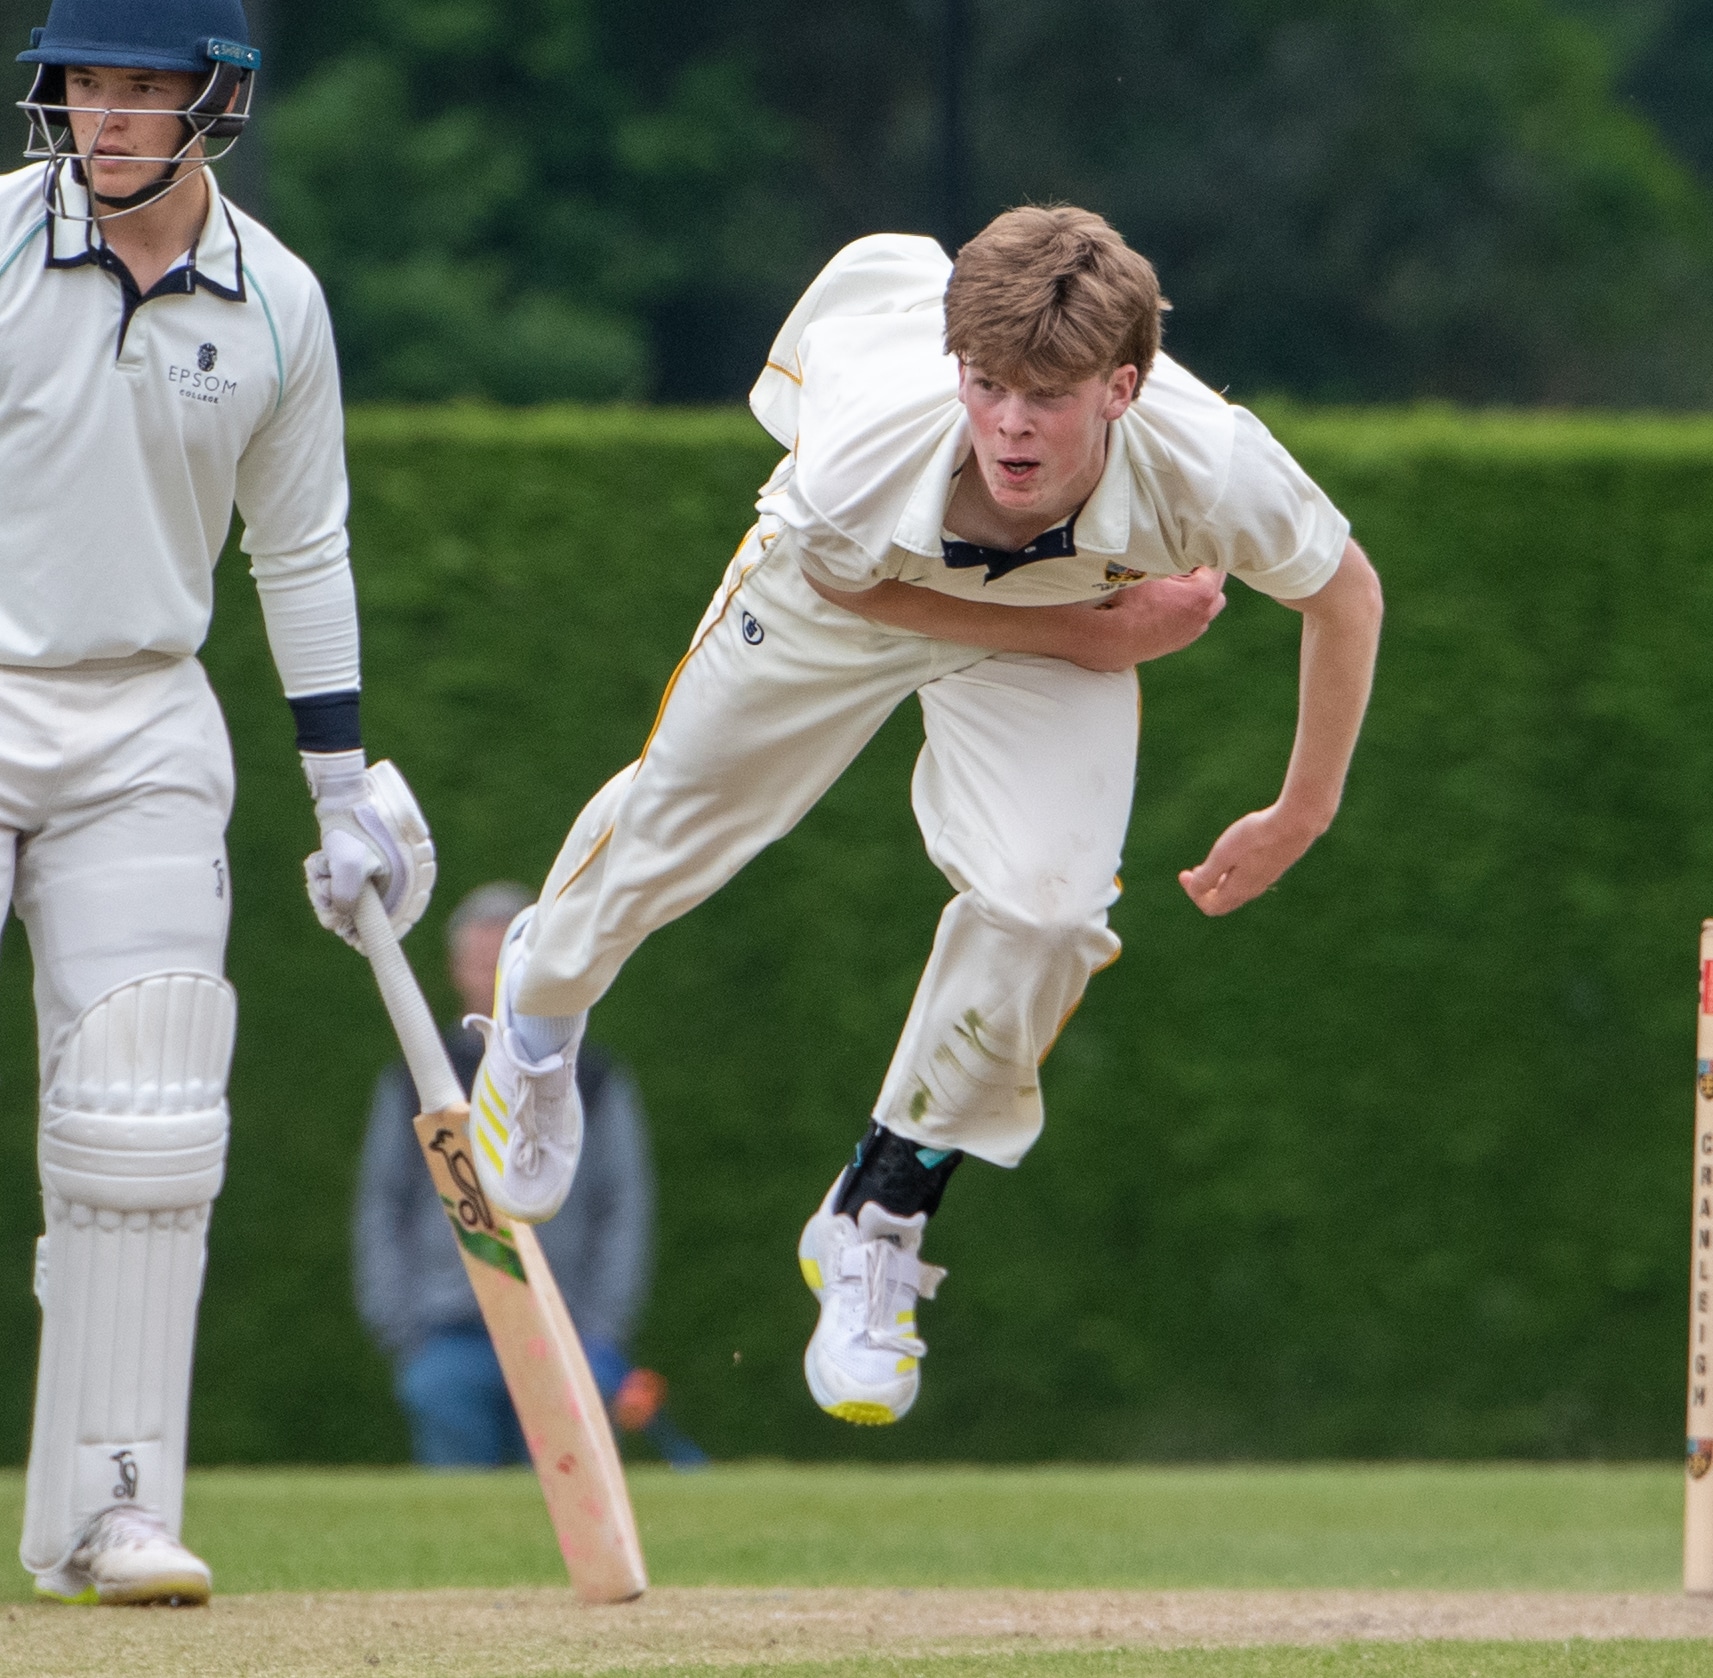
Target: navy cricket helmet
(144, 35)
(209, 38)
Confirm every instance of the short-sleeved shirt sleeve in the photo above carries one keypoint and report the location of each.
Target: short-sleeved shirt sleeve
(1272, 526)
(860, 389)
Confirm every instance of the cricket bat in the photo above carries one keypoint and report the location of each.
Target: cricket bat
(1698, 1484)
(564, 1421)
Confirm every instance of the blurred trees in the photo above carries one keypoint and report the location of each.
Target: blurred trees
(1664, 50)
(1360, 199)
(496, 207)
(1367, 198)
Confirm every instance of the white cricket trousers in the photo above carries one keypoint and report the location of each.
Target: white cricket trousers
(115, 791)
(1022, 792)
(115, 788)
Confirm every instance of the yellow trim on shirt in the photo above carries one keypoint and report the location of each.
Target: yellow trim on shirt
(582, 867)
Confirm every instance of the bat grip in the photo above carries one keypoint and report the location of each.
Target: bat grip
(437, 1086)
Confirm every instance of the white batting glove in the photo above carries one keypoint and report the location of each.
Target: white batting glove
(371, 829)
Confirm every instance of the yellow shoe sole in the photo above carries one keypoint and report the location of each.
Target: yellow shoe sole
(188, 1592)
(860, 1412)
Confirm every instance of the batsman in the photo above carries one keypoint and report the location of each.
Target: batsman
(1001, 497)
(162, 358)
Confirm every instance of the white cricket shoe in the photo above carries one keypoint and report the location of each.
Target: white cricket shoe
(127, 1555)
(862, 1359)
(525, 1116)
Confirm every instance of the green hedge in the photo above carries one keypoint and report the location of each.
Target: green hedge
(1391, 1164)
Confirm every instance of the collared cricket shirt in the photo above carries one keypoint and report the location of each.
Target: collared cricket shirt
(859, 387)
(131, 425)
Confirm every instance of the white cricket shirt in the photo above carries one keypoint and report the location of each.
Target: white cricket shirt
(859, 387)
(129, 428)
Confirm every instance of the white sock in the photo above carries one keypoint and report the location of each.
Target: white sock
(544, 1034)
(540, 1034)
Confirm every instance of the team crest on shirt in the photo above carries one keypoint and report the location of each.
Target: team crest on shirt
(202, 383)
(1116, 573)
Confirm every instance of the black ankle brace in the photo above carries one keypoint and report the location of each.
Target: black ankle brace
(902, 1176)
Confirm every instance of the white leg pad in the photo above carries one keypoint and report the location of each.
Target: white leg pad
(132, 1151)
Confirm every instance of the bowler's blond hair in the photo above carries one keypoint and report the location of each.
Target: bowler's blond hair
(1049, 295)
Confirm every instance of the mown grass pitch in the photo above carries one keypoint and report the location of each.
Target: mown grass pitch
(966, 1571)
(135, 1653)
(1421, 1527)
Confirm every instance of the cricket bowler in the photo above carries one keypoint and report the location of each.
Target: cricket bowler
(999, 496)
(162, 359)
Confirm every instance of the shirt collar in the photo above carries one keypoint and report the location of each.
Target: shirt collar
(918, 531)
(216, 260)
(1102, 526)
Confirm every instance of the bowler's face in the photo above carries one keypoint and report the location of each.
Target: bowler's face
(1036, 447)
(118, 123)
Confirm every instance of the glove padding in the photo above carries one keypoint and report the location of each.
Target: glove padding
(371, 829)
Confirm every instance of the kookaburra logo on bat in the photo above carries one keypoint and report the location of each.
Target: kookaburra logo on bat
(472, 1203)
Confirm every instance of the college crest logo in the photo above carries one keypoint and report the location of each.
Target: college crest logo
(1700, 1457)
(201, 383)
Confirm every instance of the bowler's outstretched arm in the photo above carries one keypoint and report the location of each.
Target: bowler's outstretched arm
(1341, 635)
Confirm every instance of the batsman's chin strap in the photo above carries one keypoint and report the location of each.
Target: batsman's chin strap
(169, 177)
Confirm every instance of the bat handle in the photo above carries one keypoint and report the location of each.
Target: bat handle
(437, 1085)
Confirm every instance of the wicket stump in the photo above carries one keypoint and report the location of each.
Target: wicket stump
(1698, 1484)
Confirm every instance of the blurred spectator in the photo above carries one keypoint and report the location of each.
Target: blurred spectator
(412, 1293)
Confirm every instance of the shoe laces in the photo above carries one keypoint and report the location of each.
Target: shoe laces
(526, 1151)
(885, 1270)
